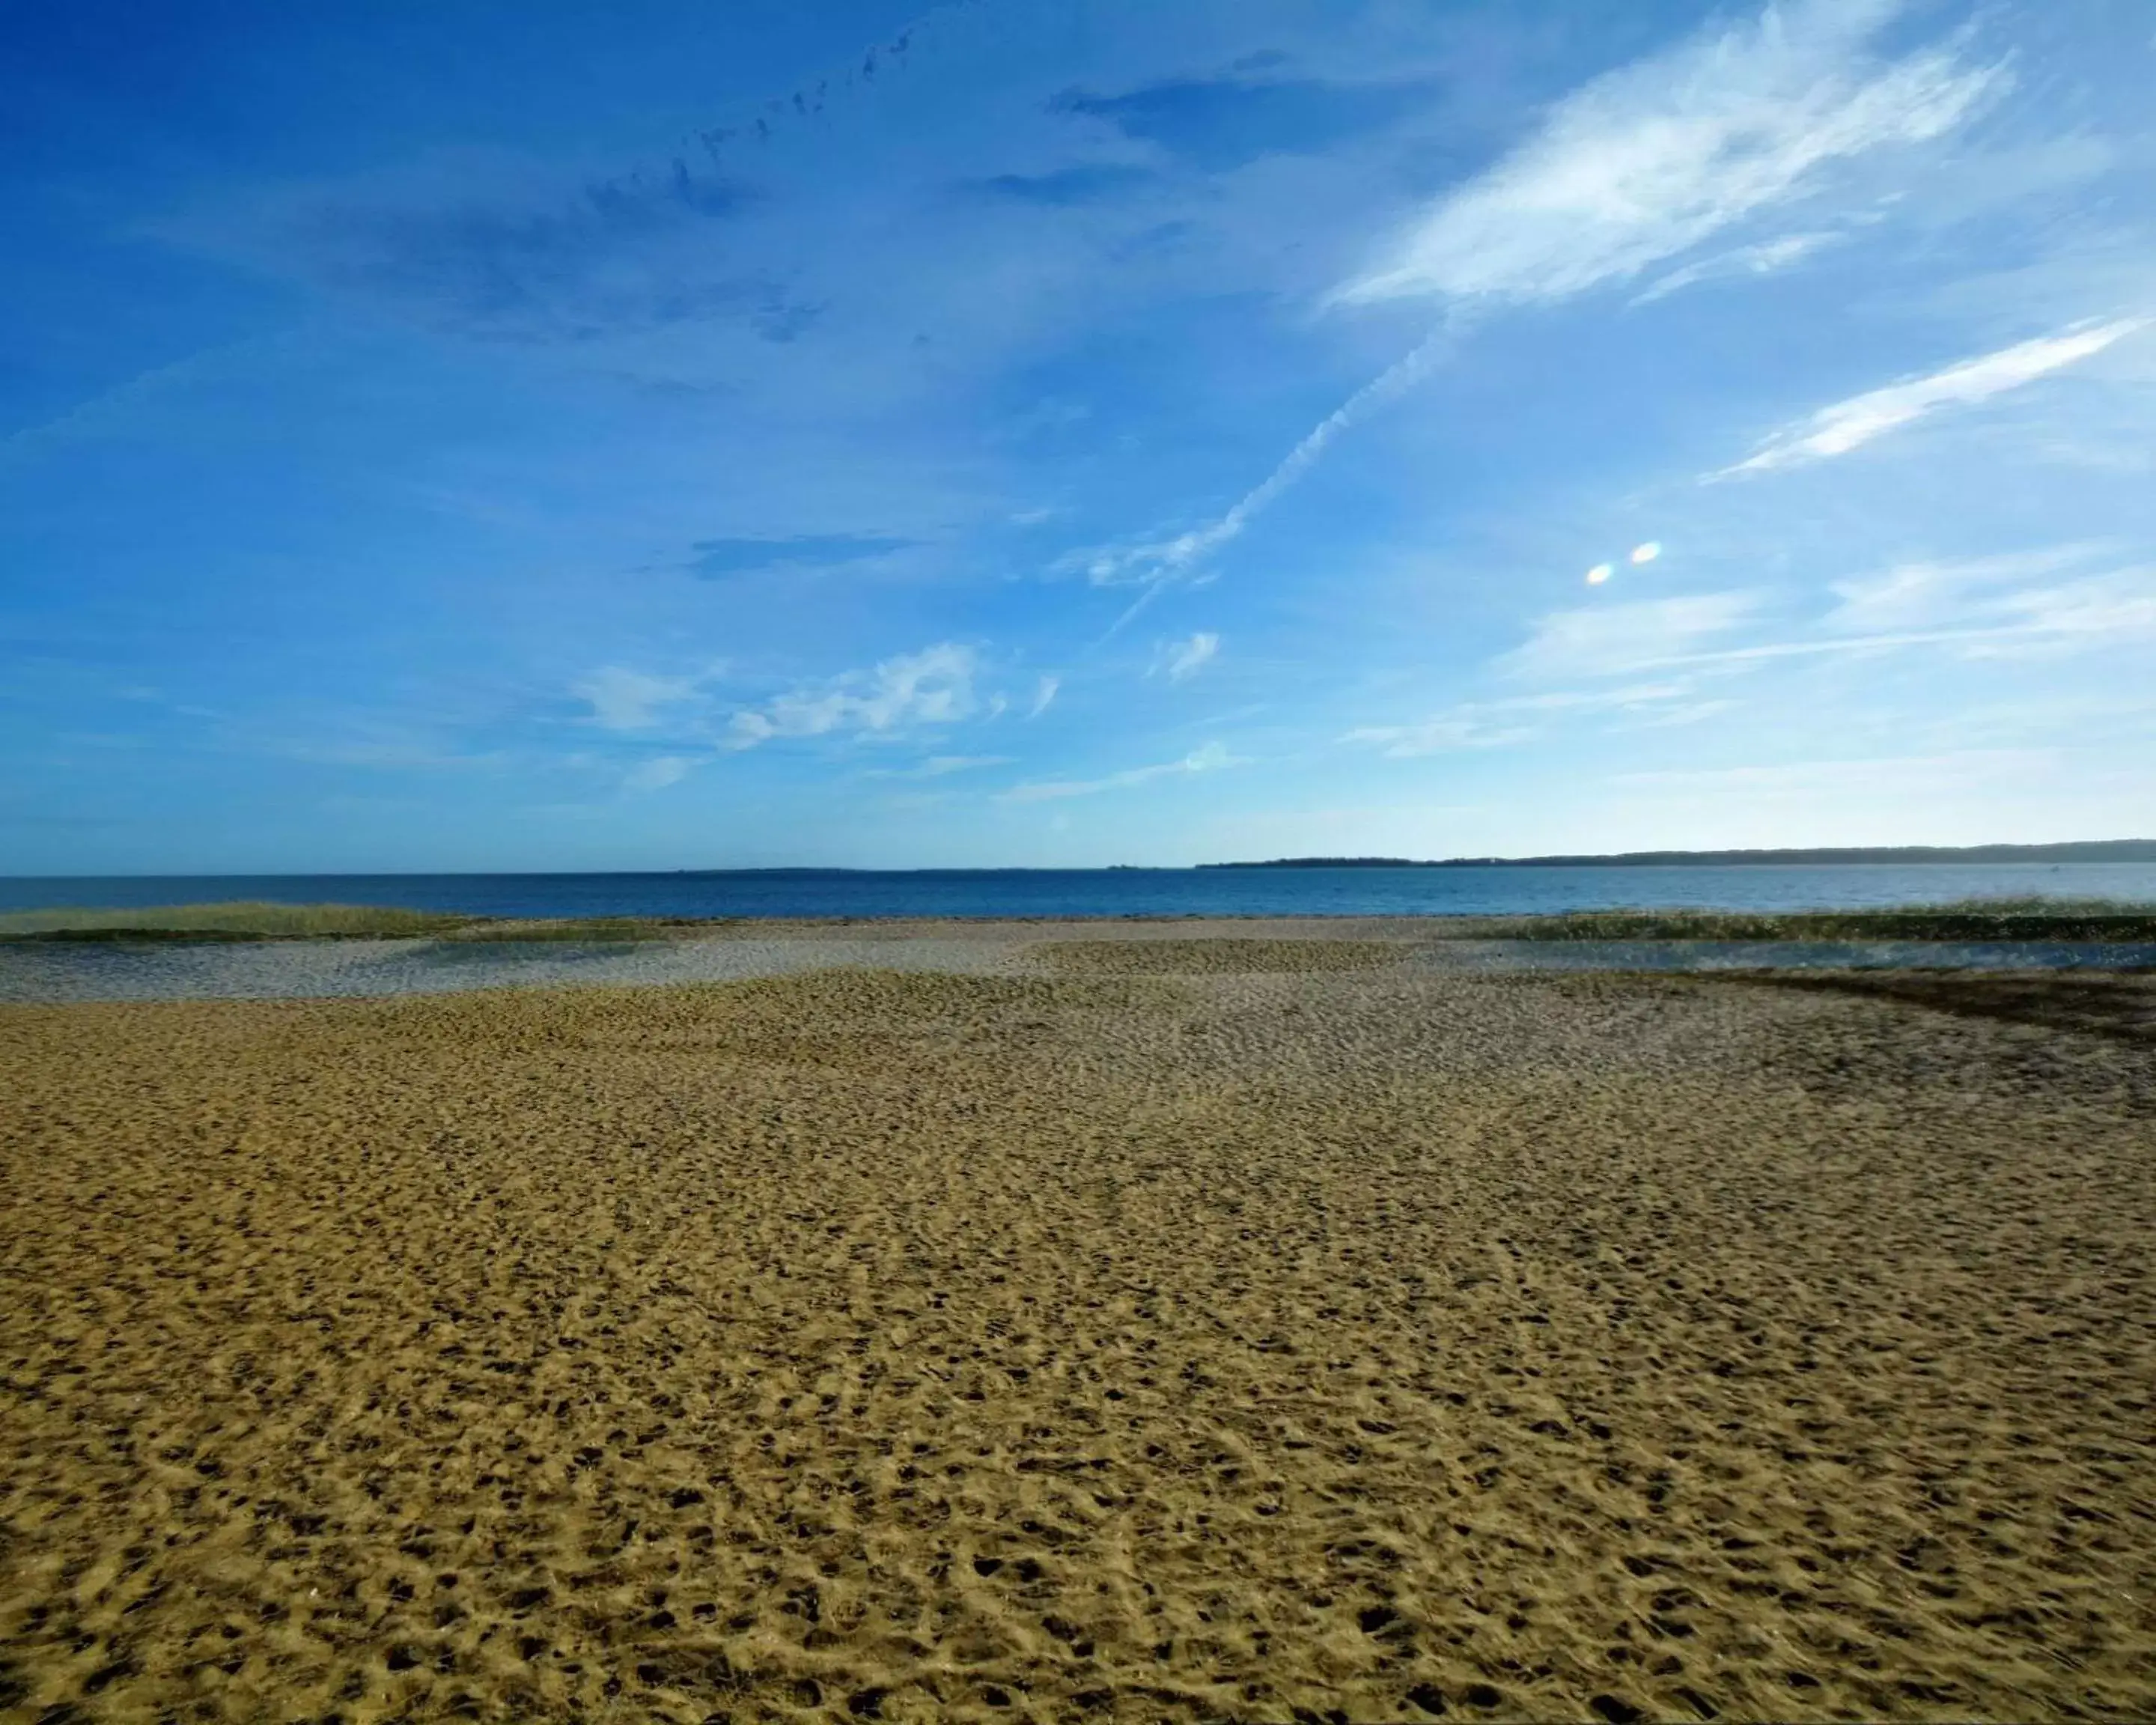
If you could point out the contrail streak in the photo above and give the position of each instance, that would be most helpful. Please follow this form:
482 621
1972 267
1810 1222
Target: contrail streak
1167 559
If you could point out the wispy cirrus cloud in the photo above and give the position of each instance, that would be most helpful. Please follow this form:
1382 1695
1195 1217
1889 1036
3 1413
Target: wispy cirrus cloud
2113 610
1927 593
1181 659
1973 768
1848 425
2044 603
1647 161
1634 170
1614 640
1044 696
1497 724
1740 262
942 766
1208 758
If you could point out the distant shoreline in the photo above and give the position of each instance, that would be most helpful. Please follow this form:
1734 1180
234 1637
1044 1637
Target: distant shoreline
2093 851
2096 850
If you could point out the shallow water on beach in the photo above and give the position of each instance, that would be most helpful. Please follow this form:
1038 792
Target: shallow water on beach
1790 955
259 970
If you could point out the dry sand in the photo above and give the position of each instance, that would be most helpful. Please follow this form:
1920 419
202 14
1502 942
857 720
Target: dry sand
1356 1344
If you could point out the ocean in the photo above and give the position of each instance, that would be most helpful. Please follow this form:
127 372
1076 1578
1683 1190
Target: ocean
1472 890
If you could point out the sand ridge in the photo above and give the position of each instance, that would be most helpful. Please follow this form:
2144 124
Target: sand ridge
1365 1344
1218 955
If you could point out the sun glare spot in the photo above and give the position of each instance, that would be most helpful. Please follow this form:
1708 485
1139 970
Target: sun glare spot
1648 552
1598 574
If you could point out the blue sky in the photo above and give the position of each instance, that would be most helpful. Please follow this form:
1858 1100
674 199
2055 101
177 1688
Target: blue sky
655 435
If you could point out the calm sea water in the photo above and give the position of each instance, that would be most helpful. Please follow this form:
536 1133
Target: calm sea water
1120 892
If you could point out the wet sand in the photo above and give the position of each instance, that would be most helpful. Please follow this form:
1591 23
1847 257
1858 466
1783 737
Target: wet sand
1142 1340
52 972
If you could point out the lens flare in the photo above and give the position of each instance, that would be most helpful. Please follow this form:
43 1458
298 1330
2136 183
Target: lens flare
1598 574
1648 552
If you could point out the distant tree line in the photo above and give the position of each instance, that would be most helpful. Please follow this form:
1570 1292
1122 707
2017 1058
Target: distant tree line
2094 851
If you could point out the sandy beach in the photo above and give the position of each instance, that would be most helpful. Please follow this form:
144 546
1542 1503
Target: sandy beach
1265 1328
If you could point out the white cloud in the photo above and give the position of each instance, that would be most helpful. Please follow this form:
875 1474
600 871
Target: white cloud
1608 640
1465 727
2096 611
2084 617
934 686
1971 767
942 766
1996 607
1208 758
1186 658
1851 425
1925 594
1493 724
1647 161
622 700
1044 697
658 772
1764 258
1669 718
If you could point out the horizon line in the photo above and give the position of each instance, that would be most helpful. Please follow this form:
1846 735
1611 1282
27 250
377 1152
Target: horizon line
1734 857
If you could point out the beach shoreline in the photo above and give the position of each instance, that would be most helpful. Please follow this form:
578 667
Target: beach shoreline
53 971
